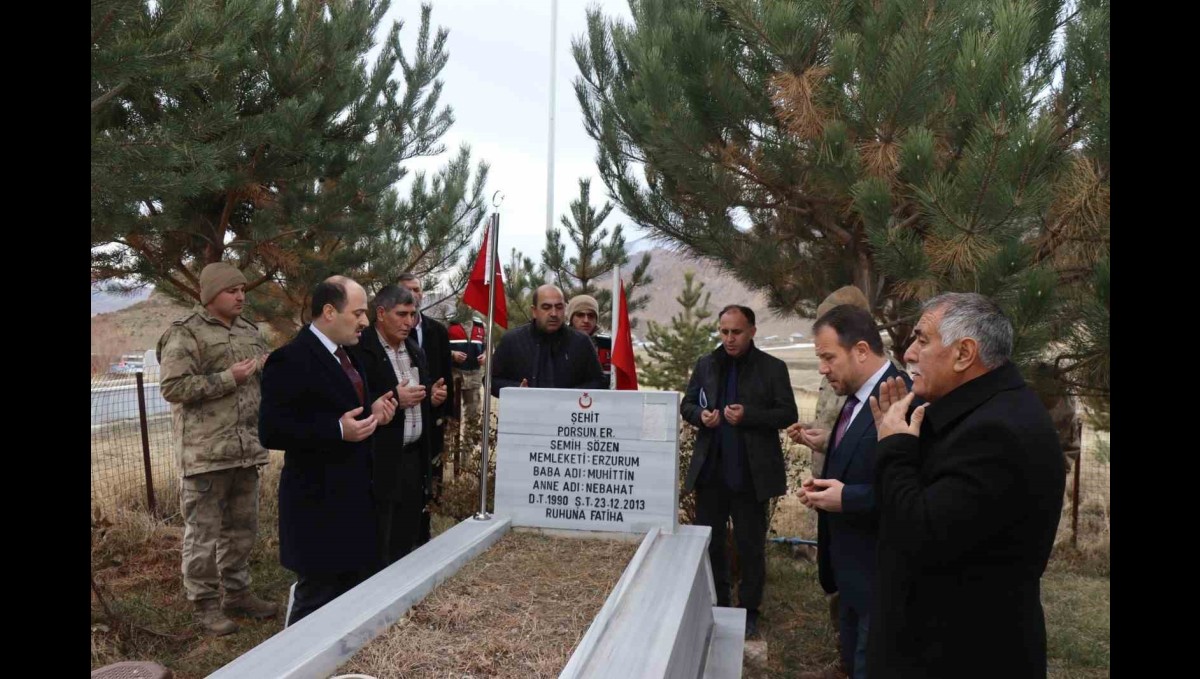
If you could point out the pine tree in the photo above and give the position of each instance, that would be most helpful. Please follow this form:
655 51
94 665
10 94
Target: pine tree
589 272
904 146
255 131
521 278
674 349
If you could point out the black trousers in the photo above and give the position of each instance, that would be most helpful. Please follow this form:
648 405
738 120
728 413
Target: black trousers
314 591
402 520
715 505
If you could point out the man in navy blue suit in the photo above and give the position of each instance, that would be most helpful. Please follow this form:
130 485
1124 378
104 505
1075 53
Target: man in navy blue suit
851 356
315 408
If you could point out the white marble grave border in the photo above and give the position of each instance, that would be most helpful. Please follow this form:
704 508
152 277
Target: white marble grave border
324 640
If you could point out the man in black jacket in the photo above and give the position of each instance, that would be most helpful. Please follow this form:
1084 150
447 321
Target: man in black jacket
401 453
546 353
739 397
433 339
969 498
316 407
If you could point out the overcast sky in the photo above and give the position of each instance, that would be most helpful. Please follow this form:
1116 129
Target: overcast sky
497 82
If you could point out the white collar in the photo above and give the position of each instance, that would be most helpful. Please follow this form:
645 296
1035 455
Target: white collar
329 344
864 392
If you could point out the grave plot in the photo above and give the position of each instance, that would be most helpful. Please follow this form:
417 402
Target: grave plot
524 593
517 610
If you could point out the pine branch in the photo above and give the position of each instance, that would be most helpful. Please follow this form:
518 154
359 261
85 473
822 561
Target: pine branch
108 17
993 158
104 98
262 279
1067 20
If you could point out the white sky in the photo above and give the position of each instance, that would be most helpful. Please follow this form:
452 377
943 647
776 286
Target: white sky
497 82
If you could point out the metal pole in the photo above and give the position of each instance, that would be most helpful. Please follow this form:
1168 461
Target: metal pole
488 278
616 315
550 148
145 442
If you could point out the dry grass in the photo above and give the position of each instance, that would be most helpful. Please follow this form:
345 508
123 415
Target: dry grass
518 610
141 612
1087 551
118 468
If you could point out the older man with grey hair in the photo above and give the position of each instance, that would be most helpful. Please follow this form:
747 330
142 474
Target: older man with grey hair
970 488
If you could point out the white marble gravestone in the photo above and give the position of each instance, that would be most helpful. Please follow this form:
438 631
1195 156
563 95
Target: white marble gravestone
588 460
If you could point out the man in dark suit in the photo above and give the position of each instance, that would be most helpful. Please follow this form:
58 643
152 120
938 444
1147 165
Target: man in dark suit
969 494
433 339
739 397
402 471
850 354
315 408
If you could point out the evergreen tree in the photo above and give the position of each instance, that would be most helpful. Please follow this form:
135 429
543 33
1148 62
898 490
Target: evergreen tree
905 146
674 349
521 278
589 272
255 131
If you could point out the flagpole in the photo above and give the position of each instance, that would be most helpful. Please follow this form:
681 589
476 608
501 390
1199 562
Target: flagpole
488 276
550 122
616 320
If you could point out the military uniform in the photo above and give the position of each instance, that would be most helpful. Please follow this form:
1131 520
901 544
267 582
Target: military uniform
468 375
216 443
603 344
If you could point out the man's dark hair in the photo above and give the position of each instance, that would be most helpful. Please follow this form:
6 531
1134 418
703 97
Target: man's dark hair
389 296
328 291
744 310
406 277
852 325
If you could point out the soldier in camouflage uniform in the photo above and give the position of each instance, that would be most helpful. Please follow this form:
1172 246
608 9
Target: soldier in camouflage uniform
210 362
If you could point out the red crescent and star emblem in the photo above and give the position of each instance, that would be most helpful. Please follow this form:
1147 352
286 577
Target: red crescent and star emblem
588 399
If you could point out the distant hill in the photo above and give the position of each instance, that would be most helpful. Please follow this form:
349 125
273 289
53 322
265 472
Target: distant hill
668 267
105 302
134 328
133 324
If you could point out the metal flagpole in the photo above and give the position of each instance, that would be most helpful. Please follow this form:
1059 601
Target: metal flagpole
616 315
550 123
488 280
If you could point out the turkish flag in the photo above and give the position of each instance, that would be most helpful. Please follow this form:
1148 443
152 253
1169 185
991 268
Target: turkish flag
622 350
476 294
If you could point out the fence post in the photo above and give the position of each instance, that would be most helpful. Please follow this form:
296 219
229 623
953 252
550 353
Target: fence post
141 391
1075 502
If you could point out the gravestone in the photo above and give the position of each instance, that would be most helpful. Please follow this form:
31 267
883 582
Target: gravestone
588 460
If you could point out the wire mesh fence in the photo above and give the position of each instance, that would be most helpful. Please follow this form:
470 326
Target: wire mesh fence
133 464
1088 483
